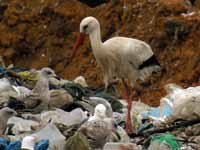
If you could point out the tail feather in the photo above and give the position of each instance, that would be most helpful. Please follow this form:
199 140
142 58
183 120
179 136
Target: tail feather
152 61
147 71
148 67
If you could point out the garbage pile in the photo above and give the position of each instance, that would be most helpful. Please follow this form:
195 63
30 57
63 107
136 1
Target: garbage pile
40 111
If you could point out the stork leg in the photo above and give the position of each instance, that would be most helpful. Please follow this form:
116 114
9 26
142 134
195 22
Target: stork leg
129 127
111 88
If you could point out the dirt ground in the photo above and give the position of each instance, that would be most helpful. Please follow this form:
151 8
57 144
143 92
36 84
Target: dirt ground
42 33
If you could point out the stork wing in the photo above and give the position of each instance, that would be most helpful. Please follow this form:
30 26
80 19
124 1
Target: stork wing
138 52
133 51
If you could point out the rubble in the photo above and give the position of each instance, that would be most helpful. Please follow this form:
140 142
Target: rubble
78 117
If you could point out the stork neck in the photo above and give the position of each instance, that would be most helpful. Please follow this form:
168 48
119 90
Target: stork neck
95 39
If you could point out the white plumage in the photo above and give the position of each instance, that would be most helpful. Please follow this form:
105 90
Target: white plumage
119 56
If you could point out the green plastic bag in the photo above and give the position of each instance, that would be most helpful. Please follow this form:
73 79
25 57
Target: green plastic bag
167 139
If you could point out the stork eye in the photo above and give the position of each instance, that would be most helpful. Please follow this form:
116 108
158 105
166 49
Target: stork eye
48 72
85 27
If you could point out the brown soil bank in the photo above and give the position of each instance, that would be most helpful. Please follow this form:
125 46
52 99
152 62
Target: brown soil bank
42 32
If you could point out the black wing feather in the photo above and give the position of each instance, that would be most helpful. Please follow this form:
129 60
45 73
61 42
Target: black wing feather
149 62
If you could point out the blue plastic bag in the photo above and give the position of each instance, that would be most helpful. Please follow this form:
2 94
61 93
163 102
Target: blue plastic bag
42 145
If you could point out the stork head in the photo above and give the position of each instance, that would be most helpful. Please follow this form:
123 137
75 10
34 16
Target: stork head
87 26
48 73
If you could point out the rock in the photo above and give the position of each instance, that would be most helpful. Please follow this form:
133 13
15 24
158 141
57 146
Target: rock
77 142
120 146
60 98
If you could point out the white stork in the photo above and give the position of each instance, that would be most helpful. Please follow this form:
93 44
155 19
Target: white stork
121 57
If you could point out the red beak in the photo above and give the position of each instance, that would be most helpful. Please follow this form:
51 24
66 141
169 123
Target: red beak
79 42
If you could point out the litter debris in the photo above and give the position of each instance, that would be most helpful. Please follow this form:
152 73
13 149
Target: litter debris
28 143
120 146
51 133
22 125
184 102
42 145
7 145
163 142
81 80
75 116
159 113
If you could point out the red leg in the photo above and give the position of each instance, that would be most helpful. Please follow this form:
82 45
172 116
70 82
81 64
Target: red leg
129 127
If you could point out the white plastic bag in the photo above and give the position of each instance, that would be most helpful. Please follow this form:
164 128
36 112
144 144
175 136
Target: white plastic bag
76 116
22 125
50 132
